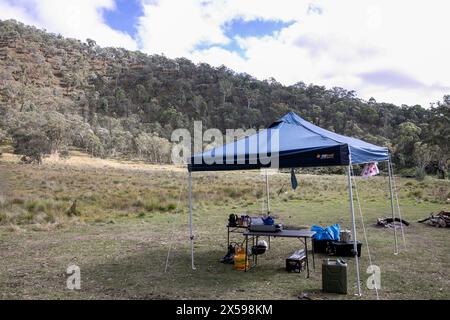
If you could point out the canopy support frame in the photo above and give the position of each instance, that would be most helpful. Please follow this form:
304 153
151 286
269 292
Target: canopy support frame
352 213
267 192
191 234
392 206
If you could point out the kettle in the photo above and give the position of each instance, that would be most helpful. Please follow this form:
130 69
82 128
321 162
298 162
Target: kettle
232 220
268 220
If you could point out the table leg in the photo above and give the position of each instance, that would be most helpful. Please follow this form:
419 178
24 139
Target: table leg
246 253
256 256
306 253
314 262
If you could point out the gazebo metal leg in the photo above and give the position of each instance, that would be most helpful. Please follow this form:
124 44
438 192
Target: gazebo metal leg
352 211
392 207
191 236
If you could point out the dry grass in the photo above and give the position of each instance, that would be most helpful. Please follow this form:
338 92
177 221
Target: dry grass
128 219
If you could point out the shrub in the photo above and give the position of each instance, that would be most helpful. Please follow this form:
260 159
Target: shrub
417 193
420 174
2 217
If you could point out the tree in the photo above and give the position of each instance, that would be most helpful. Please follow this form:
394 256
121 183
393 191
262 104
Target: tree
408 135
2 136
36 135
439 134
423 154
226 87
442 157
152 148
33 144
91 43
56 129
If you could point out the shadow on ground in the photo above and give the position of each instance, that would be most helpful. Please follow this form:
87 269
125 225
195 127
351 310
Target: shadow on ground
142 276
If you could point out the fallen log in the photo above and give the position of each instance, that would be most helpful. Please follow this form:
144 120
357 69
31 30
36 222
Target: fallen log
390 223
440 219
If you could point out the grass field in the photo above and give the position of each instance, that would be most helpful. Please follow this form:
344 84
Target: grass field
131 213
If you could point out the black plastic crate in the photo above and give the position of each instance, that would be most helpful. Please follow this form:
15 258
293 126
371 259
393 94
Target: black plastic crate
322 246
345 249
296 262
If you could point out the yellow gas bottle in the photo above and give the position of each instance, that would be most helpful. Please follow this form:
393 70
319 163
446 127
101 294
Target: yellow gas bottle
240 261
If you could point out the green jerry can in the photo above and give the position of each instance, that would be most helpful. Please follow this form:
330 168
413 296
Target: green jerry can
334 276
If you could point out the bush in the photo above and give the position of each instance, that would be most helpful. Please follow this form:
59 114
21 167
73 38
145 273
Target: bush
64 153
36 135
32 144
2 138
420 174
152 148
417 194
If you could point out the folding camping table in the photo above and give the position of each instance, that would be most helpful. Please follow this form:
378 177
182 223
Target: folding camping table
236 229
302 235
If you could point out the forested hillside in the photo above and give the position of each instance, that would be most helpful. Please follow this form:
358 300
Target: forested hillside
57 92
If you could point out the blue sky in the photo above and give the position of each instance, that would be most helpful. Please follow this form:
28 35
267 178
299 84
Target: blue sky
125 16
241 28
377 48
254 28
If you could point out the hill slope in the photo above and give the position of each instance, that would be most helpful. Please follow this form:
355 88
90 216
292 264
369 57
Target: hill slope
101 99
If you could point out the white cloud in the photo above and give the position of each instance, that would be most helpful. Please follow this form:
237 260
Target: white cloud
217 56
176 27
80 19
395 51
335 44
15 11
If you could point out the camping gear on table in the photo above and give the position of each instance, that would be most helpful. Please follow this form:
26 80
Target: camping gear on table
233 220
296 262
268 221
324 236
244 221
240 259
256 220
334 276
239 221
265 228
345 235
264 225
345 249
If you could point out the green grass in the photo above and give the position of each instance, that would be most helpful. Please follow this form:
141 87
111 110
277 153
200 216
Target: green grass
129 219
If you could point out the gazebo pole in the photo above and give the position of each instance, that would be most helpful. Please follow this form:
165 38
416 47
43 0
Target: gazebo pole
191 236
267 191
392 206
352 211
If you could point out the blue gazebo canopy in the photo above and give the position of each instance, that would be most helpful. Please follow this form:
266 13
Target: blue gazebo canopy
300 144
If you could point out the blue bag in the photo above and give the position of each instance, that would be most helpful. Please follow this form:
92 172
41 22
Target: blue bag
268 220
328 233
